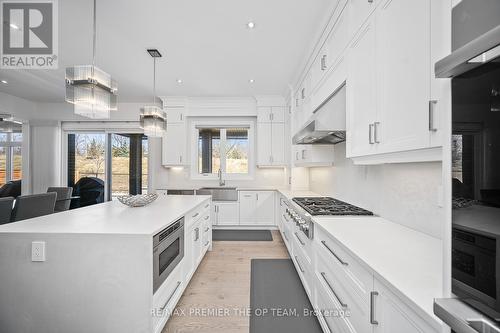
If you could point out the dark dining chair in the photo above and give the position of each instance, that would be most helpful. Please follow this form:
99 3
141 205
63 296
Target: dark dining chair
29 206
6 209
63 199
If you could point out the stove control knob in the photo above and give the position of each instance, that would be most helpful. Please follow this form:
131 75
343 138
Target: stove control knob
305 227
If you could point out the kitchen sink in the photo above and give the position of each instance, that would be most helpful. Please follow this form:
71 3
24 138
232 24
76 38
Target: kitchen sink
220 193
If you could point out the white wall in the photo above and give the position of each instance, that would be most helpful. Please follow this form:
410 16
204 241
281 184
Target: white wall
403 193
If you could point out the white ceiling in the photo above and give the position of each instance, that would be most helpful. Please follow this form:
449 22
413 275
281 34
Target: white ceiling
204 42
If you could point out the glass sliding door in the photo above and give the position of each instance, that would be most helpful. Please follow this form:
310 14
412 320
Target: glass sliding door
10 157
116 160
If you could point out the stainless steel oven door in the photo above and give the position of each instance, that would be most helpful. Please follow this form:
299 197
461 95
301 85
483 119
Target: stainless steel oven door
168 251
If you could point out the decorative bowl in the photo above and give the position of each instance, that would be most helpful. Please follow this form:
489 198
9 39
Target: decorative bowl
139 200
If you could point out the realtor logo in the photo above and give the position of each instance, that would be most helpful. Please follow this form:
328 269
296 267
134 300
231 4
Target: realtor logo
29 34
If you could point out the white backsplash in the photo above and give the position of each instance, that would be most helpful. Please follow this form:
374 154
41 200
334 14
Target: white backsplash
406 193
263 178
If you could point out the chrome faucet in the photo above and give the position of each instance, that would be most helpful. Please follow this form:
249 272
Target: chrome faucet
221 181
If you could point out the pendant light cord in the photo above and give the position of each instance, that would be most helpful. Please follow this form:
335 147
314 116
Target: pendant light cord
154 81
94 38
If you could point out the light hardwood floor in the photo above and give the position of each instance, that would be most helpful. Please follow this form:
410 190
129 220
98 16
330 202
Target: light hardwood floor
222 283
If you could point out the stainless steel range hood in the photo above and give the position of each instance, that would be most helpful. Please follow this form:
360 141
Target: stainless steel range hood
327 125
479 51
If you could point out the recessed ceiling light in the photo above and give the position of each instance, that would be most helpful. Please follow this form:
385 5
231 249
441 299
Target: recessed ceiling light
251 80
4 81
14 26
179 81
250 25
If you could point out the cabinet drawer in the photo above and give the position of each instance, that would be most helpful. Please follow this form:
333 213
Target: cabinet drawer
166 297
197 213
341 295
302 244
356 279
332 318
304 269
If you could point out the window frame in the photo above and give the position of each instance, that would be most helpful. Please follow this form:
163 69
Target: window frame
9 146
195 124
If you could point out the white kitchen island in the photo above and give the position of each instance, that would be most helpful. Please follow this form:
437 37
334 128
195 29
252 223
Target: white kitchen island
98 270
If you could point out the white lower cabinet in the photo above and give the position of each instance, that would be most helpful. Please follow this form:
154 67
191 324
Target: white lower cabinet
347 296
257 207
226 213
197 240
351 299
393 316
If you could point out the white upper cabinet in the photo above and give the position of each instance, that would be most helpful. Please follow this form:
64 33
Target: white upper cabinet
174 140
175 114
403 82
313 155
359 11
174 145
361 93
271 136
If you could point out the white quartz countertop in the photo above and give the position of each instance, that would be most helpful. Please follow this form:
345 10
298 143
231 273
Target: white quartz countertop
289 194
111 218
407 260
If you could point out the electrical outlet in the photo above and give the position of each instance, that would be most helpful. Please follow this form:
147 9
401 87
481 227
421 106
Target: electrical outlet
38 251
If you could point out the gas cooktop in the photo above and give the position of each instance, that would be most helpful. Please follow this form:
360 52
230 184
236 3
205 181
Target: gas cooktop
329 206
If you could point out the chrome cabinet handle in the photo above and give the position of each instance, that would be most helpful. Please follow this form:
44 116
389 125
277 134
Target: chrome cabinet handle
296 155
334 254
303 154
373 294
195 215
370 136
342 304
298 264
303 93
323 62
432 108
285 217
197 234
284 234
171 295
257 196
207 229
326 322
180 159
207 205
300 240
375 131
207 217
370 1
207 242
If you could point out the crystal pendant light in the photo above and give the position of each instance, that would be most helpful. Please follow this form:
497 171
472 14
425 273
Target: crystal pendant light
91 90
153 118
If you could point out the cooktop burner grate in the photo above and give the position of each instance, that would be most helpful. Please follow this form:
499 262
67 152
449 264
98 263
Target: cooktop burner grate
329 206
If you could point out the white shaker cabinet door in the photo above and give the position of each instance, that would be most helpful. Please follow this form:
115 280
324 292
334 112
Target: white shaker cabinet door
403 81
361 93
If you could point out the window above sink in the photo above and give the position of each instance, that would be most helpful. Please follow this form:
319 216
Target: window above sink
226 146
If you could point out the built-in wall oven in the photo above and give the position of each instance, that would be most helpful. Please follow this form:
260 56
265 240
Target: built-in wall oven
474 66
168 251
